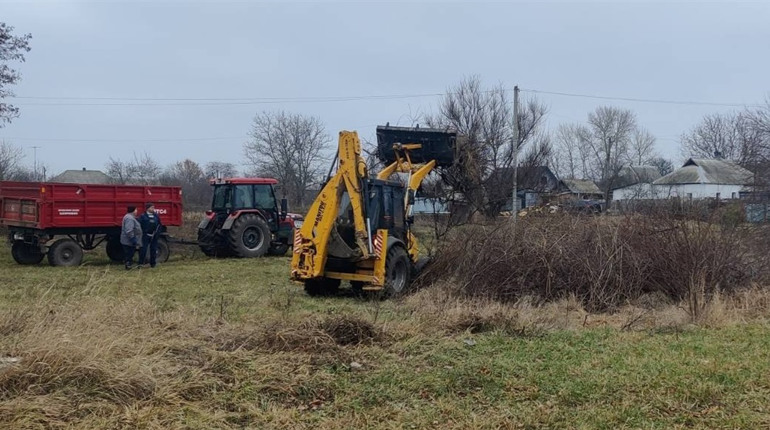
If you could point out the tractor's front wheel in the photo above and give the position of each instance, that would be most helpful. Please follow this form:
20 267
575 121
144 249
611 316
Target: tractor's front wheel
397 271
250 236
321 286
278 249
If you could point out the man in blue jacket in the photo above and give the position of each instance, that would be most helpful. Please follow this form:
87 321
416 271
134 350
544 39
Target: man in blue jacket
151 228
129 236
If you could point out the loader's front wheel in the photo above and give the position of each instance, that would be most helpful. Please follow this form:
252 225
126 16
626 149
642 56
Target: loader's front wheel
321 286
397 271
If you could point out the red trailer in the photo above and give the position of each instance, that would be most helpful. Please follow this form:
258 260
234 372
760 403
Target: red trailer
61 220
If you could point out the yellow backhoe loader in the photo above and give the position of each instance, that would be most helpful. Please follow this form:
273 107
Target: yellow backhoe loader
358 229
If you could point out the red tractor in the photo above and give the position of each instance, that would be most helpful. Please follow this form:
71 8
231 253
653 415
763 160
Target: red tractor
245 220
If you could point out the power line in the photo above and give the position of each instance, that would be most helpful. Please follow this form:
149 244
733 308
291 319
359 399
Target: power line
193 139
225 101
630 99
117 101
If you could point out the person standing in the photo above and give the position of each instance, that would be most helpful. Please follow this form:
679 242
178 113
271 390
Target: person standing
129 236
151 228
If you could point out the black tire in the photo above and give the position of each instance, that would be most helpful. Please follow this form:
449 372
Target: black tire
163 251
398 270
65 252
26 254
278 249
114 250
208 251
250 236
321 287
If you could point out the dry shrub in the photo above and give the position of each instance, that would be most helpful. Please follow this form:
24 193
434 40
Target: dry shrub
604 262
350 330
311 336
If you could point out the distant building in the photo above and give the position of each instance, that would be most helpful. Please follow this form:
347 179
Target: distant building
702 178
532 183
82 176
698 178
582 189
426 205
635 182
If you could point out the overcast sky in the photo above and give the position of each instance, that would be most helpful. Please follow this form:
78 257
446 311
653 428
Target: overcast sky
700 52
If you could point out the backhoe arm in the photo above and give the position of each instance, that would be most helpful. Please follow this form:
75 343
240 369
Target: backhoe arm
312 240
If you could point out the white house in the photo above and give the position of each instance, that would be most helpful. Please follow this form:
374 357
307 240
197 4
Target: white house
703 178
635 182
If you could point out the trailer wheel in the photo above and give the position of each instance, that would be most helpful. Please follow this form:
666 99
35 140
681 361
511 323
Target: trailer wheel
321 286
26 254
163 251
397 271
115 250
65 252
250 236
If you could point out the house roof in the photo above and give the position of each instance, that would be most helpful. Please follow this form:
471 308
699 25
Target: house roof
581 186
708 171
632 175
82 176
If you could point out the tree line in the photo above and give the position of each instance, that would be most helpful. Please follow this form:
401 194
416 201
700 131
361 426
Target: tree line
296 149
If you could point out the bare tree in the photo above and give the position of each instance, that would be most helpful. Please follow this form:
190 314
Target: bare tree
220 169
10 159
733 136
570 155
12 48
289 147
664 166
484 120
611 132
141 170
189 175
641 148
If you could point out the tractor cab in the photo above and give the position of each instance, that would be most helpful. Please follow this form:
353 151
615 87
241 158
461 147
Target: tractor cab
248 193
246 219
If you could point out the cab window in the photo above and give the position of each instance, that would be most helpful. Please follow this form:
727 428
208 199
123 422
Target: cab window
263 196
244 198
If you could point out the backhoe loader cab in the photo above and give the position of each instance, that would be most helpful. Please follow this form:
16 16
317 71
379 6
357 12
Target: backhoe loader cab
359 227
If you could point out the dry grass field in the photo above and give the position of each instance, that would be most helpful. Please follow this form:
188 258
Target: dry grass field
228 344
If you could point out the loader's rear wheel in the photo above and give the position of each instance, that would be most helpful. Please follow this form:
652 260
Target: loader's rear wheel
397 271
24 253
250 236
65 252
321 286
114 250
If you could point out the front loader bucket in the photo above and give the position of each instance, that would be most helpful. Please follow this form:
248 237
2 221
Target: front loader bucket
436 144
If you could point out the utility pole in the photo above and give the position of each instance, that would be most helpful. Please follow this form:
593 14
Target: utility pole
34 168
515 201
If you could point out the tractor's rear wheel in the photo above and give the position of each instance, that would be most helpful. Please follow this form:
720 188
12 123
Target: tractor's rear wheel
250 236
65 252
114 250
397 271
321 286
24 253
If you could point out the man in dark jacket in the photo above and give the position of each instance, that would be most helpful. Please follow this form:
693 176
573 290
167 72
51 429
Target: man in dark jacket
129 236
151 226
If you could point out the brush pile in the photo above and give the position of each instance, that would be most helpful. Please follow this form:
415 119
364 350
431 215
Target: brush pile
606 262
